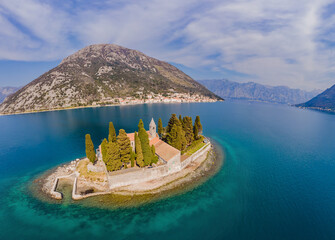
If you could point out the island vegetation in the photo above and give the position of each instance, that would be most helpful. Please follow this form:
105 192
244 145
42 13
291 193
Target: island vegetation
117 153
137 162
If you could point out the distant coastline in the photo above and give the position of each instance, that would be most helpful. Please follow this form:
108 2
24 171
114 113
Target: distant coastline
317 109
98 106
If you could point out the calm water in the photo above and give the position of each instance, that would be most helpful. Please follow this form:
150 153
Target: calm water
277 181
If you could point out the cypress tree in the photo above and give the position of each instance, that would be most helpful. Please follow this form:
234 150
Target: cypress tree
197 122
139 153
113 160
90 151
140 124
112 133
181 139
132 158
144 138
124 145
180 118
195 132
188 129
154 156
104 149
160 127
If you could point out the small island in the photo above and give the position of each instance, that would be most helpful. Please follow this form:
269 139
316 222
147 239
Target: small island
134 163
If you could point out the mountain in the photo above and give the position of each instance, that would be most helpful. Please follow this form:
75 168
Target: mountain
6 91
254 91
323 101
103 73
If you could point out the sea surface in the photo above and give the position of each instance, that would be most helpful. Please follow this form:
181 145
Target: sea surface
277 180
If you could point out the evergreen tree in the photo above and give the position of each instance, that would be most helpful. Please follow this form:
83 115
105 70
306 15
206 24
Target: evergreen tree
180 118
112 133
104 149
139 153
90 151
154 156
173 120
195 132
140 124
188 129
113 160
181 138
124 145
172 135
132 158
144 138
160 127
176 137
197 122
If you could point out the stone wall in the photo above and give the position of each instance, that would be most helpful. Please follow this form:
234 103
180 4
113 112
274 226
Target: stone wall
174 164
137 176
128 177
197 154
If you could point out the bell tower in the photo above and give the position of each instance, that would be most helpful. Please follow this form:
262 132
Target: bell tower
152 129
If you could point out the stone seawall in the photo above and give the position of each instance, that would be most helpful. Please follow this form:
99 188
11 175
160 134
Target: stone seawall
53 192
138 176
148 174
196 155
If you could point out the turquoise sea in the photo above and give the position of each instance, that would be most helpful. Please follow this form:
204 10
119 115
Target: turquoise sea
277 180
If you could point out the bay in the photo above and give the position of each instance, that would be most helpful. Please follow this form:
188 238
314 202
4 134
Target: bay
277 180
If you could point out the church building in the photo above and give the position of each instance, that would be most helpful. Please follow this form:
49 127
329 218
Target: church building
165 152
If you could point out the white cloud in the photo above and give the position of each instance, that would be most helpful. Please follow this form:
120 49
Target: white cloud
275 42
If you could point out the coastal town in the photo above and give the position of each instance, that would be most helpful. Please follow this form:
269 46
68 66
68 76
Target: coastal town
135 162
140 98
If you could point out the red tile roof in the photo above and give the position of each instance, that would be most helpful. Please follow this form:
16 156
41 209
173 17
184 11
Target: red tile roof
164 150
132 136
154 141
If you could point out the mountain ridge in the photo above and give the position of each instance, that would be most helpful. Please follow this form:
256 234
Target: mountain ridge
323 101
104 73
258 92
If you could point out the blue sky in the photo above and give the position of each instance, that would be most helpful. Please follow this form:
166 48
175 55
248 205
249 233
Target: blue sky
274 42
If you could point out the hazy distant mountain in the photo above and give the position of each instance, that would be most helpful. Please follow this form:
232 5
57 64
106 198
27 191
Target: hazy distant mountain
323 101
6 91
99 72
258 92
